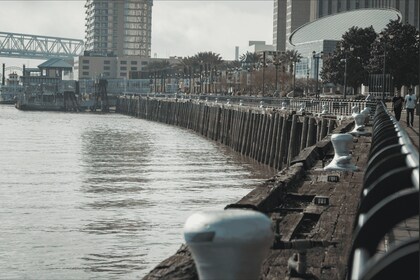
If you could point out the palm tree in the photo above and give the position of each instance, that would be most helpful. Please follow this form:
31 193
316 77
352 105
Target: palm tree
291 57
159 69
207 64
250 61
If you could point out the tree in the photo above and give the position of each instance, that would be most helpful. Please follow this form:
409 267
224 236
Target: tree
250 59
354 49
400 44
290 57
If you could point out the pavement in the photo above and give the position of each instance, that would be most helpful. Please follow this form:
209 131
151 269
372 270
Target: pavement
410 227
412 131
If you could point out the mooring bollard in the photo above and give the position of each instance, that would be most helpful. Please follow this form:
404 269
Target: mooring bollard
366 112
302 108
324 109
283 106
241 102
229 244
342 157
359 125
261 104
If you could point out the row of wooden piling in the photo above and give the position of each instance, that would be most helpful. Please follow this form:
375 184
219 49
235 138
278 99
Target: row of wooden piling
271 137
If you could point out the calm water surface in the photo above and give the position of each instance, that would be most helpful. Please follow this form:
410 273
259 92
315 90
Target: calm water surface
86 196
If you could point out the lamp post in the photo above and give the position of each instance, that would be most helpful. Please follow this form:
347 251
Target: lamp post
390 36
263 77
316 56
345 69
277 63
307 81
294 73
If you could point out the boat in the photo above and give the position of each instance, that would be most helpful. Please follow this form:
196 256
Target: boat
10 91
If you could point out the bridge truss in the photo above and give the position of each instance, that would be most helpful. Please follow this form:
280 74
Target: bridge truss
38 47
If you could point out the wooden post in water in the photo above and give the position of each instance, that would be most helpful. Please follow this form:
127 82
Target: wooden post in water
311 139
324 127
292 141
304 137
283 142
273 149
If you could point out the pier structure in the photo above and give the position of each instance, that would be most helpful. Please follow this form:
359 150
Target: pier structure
267 135
314 211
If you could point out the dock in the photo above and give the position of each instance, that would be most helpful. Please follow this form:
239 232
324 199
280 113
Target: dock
304 202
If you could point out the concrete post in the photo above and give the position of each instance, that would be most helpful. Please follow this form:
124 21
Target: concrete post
230 244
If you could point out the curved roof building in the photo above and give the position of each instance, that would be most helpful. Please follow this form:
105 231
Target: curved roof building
322 35
333 27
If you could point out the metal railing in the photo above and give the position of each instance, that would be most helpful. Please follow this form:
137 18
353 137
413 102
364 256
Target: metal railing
336 107
390 196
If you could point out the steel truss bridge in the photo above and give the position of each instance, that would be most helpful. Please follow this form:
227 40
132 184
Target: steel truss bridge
38 47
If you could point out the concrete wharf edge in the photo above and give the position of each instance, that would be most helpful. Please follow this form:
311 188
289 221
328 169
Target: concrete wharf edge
284 198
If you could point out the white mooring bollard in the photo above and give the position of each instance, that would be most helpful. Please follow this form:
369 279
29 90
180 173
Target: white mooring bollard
302 108
359 125
283 106
366 112
342 157
229 244
324 109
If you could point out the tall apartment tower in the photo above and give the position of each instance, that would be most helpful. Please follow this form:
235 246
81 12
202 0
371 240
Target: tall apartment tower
290 14
119 27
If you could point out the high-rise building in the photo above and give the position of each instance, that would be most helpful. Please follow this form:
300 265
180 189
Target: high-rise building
290 14
119 27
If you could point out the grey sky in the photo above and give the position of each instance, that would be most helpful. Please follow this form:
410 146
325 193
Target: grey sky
179 28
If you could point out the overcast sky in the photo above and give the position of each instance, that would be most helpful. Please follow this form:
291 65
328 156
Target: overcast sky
179 28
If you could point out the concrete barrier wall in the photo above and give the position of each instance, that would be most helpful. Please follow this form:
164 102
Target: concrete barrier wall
270 136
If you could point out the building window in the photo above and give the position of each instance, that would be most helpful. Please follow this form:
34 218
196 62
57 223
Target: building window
85 73
123 62
85 61
85 67
123 68
133 62
107 62
107 68
144 63
133 68
123 74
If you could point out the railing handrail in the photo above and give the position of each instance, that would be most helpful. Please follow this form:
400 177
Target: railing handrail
391 197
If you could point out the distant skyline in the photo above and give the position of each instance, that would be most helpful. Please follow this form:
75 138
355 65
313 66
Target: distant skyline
179 28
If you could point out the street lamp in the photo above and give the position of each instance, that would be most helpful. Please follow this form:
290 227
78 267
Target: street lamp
317 56
345 69
277 63
263 77
307 81
390 36
294 60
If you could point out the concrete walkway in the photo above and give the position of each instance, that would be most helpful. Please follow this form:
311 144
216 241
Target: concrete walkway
412 131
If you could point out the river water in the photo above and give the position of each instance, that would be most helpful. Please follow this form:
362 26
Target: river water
105 196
